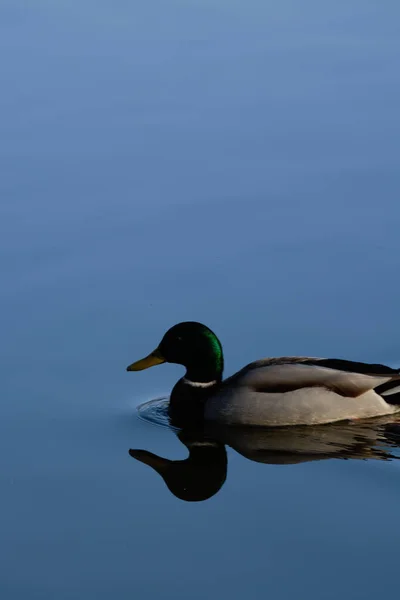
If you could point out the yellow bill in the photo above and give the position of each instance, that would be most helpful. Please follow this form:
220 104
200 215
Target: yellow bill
153 359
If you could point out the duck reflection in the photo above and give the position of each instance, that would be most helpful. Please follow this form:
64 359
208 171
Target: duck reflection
202 474
198 477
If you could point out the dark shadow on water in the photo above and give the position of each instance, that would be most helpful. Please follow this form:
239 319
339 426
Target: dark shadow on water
202 474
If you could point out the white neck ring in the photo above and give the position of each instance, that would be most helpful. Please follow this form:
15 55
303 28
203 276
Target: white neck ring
199 384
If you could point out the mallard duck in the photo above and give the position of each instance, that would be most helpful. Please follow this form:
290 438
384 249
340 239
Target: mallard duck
283 391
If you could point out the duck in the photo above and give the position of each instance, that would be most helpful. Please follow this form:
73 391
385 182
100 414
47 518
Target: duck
272 392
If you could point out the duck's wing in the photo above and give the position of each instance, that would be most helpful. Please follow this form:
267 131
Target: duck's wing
285 374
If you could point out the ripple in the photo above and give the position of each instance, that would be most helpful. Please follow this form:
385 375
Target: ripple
155 412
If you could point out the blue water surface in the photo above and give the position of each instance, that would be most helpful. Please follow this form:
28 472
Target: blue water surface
235 163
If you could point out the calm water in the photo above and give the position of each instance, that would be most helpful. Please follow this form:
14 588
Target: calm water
228 162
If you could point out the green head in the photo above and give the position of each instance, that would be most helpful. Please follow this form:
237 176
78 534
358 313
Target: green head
192 345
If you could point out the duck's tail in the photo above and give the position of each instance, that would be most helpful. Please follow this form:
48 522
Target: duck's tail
390 391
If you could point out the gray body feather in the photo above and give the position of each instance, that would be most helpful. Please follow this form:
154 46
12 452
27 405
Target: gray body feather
303 391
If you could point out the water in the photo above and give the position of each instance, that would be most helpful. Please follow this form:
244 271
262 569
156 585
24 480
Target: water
236 164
